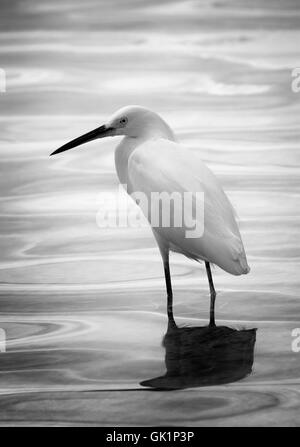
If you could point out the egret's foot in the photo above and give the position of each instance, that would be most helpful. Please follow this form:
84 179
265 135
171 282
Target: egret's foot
212 323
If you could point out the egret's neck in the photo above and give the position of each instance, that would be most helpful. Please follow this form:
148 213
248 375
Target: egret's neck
129 144
122 154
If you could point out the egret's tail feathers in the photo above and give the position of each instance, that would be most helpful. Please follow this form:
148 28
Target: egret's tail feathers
244 266
241 266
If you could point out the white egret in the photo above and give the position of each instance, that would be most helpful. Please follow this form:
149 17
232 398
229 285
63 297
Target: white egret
149 159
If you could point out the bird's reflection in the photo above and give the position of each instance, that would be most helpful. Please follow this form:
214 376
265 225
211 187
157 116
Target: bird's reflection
204 356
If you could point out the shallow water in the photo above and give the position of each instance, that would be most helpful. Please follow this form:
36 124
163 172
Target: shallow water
83 308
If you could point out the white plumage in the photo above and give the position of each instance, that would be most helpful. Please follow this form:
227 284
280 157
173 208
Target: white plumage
149 159
163 165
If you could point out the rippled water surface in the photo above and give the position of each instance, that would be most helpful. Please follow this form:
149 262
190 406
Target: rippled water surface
83 308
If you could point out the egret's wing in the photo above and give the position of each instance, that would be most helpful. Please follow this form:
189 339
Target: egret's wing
165 166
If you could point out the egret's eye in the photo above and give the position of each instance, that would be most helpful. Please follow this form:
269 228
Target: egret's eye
123 121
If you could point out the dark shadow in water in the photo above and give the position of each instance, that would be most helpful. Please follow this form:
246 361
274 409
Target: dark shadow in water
204 356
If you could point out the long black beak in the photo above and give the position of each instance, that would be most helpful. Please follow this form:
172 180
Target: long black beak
100 132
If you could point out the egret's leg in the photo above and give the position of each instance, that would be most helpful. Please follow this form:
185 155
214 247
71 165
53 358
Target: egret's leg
212 295
165 257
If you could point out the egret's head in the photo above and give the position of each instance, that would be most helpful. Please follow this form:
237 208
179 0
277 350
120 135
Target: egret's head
130 121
